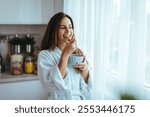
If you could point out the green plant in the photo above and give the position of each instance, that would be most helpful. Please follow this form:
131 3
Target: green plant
127 96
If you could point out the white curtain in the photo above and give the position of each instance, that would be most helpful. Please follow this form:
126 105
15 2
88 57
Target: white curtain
113 35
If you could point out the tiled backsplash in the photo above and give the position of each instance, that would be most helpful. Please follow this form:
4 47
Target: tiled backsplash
24 29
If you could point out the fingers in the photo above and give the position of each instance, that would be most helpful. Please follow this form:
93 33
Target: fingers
81 66
71 46
71 42
69 39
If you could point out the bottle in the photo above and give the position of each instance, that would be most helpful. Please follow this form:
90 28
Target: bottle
29 44
16 64
29 65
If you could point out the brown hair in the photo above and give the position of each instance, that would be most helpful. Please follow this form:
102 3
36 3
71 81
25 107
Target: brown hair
49 40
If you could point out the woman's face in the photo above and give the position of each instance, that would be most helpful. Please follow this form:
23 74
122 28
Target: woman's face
65 30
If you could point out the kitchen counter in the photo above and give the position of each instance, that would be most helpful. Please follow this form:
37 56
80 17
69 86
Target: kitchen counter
8 78
21 87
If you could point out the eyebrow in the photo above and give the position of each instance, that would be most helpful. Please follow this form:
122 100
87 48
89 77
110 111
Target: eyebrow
65 25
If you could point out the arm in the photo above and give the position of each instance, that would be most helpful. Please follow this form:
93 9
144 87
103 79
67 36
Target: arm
86 86
82 67
48 71
63 64
85 74
68 49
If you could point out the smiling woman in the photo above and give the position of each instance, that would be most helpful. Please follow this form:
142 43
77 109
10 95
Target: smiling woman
60 80
65 31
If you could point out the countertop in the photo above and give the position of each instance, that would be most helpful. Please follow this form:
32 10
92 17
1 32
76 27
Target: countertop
8 78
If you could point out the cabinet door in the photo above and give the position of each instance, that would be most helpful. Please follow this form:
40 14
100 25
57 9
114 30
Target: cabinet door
26 11
27 90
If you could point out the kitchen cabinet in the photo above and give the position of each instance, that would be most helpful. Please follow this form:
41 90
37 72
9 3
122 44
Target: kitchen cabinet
28 11
27 90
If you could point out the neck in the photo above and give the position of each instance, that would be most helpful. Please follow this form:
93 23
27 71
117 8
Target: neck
61 46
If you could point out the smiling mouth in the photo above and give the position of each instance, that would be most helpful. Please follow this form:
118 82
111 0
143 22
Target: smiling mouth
67 36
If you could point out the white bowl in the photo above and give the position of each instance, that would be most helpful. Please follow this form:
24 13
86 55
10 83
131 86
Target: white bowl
75 59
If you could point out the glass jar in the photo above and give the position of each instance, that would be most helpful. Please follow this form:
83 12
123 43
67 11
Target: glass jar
35 66
16 64
29 65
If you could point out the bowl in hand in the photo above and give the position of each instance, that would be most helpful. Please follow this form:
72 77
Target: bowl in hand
75 59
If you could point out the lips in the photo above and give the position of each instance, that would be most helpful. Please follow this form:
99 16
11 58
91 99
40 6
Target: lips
67 39
67 35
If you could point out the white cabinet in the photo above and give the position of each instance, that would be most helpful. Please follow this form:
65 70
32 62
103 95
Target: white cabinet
27 90
28 11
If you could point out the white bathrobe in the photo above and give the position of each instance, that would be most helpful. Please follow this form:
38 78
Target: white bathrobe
72 87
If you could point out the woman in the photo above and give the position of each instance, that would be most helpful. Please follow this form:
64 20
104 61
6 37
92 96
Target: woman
60 80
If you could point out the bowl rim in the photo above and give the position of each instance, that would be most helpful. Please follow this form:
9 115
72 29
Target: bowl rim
72 60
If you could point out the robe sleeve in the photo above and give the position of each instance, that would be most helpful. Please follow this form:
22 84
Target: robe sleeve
86 88
48 72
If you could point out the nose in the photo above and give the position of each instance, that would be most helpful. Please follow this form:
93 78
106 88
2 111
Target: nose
67 29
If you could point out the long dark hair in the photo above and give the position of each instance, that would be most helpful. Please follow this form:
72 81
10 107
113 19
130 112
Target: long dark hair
49 40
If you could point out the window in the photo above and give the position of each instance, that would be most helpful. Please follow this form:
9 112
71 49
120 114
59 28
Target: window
147 59
116 40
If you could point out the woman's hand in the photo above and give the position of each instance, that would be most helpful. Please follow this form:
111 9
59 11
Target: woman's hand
81 66
71 46
68 49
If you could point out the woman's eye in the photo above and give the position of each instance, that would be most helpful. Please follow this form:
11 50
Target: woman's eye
62 27
65 27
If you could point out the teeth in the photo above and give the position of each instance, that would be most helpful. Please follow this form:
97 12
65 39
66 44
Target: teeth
66 36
